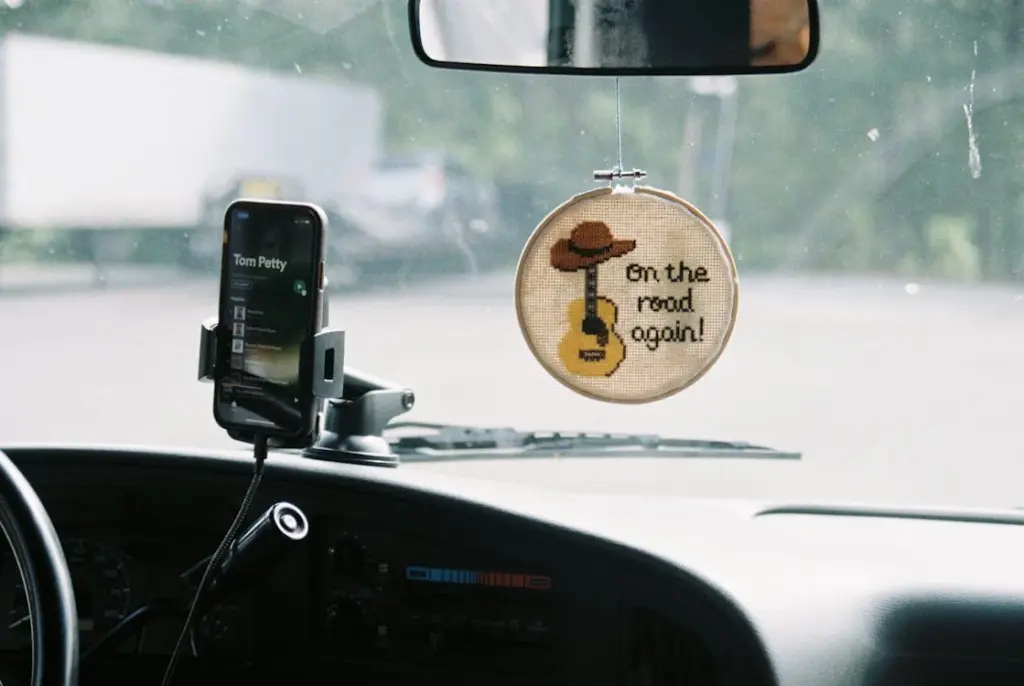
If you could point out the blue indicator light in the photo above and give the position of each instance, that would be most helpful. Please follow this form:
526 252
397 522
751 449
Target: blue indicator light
442 575
417 573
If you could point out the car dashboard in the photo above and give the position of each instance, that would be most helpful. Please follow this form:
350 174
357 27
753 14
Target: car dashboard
408 575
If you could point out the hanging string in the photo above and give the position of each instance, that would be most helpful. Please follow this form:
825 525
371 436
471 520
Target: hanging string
618 124
619 170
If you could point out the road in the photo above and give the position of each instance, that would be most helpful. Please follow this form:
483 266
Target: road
891 392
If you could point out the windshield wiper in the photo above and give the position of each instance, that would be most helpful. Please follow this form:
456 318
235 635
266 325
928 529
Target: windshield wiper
448 442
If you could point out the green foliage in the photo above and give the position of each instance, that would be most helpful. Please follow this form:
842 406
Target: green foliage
808 146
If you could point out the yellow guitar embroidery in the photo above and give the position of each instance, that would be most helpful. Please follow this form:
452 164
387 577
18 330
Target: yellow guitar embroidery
591 346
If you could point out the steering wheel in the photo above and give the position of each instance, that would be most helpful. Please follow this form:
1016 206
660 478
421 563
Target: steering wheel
47 581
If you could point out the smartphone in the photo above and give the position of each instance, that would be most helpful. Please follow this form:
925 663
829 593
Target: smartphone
271 295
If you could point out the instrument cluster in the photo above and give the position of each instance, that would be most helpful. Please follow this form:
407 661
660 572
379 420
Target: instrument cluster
112 580
382 593
108 583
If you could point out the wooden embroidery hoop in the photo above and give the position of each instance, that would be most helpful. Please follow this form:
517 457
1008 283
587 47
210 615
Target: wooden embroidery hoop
556 215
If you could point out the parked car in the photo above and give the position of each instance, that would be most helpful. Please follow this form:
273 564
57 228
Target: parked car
203 247
203 244
410 207
432 202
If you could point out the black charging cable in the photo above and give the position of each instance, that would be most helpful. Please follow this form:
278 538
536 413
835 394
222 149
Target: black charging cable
260 455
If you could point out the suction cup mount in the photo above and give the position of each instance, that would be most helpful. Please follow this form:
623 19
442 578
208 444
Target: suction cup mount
355 407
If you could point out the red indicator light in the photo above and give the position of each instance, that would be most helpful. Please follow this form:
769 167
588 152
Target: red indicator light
533 582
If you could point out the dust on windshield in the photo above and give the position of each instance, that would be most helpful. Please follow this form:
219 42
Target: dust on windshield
874 205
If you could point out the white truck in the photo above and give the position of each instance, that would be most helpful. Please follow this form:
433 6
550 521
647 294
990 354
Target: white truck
101 138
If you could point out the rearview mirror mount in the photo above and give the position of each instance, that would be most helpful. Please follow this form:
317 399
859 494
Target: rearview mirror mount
617 37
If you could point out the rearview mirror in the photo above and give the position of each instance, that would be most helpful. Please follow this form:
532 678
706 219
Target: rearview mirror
617 37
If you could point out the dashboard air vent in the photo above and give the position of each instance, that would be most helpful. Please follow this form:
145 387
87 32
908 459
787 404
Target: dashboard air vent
660 653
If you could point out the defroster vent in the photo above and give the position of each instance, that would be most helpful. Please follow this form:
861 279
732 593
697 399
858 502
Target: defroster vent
658 652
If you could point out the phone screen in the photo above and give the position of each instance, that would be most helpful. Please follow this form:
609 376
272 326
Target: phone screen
270 307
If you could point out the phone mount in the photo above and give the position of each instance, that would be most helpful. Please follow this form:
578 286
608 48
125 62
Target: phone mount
355 407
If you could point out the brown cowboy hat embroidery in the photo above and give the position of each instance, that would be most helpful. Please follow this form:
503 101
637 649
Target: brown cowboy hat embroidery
589 244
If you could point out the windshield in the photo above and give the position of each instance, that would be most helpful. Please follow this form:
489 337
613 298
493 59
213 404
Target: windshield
874 205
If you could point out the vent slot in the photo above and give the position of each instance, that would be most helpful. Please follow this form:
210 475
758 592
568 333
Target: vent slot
658 652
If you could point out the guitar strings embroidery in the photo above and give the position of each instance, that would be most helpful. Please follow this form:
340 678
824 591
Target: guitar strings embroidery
591 346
